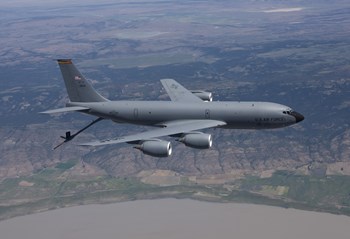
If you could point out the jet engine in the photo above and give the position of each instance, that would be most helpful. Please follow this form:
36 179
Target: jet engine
197 140
156 148
203 95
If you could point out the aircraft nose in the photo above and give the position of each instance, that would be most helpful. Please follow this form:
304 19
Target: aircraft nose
298 117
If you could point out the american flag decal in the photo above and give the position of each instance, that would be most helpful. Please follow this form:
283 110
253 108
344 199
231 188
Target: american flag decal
77 78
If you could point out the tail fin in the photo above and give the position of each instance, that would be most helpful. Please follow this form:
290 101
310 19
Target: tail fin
78 88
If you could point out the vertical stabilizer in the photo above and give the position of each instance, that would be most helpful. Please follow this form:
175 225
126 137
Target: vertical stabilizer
78 88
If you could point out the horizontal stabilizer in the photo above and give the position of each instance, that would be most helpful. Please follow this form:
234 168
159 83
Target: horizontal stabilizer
64 110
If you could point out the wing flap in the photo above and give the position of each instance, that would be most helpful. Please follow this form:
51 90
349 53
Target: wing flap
171 128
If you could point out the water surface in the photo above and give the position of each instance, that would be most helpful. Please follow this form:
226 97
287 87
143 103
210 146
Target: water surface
173 218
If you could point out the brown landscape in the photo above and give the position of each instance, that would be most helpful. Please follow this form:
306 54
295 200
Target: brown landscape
295 53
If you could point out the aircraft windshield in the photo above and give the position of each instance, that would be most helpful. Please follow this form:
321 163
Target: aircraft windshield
288 112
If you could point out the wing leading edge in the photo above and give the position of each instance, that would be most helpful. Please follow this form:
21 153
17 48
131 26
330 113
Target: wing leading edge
170 128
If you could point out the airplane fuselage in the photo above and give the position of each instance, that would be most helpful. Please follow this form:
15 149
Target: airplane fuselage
188 112
237 115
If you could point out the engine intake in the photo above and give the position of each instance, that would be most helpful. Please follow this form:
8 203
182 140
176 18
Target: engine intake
197 140
203 95
156 148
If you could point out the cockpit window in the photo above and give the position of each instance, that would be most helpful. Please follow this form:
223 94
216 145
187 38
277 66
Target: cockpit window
288 112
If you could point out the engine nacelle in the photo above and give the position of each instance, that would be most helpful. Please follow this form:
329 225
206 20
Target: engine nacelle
203 95
156 148
197 140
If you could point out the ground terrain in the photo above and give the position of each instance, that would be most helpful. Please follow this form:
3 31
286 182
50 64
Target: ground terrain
295 53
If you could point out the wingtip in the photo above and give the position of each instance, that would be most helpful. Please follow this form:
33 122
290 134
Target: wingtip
44 112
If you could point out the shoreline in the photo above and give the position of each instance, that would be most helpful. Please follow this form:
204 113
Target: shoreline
176 192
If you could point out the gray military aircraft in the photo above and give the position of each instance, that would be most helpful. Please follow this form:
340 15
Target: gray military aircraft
182 117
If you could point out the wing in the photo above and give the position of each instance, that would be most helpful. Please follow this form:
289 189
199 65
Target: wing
170 128
177 92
